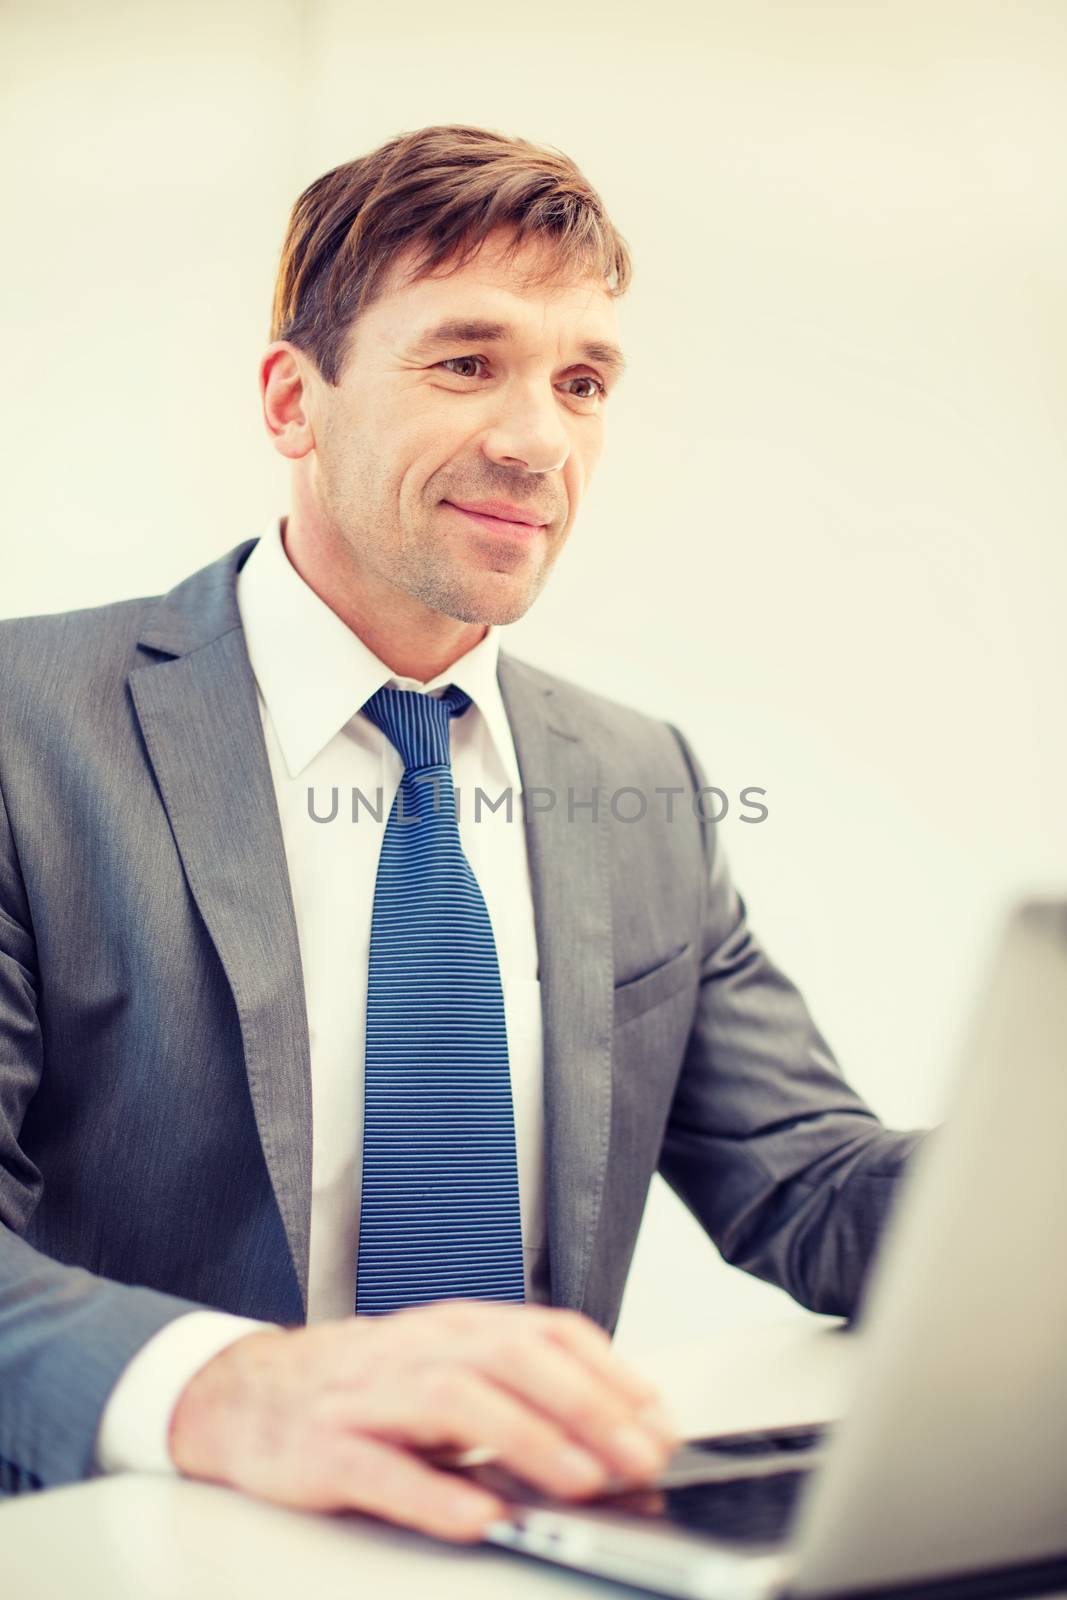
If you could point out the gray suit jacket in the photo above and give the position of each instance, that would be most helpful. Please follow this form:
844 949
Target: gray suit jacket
155 1099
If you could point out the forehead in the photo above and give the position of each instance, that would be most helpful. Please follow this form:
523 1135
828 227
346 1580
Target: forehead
527 294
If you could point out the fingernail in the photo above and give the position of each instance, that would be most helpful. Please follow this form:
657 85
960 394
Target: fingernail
656 1418
470 1510
580 1472
635 1450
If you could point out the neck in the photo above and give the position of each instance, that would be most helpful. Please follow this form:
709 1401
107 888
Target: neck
413 641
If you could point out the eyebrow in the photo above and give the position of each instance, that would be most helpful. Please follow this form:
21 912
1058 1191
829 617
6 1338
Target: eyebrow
476 330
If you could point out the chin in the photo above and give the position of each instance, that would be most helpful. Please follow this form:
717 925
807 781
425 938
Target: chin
493 616
491 607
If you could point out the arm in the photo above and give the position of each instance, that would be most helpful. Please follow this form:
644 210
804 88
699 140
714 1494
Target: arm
135 1427
784 1165
65 1335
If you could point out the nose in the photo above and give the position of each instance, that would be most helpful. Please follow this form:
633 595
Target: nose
529 430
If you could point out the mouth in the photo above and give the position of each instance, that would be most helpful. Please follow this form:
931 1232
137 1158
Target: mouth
517 526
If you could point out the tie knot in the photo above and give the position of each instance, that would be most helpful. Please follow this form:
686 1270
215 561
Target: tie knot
418 724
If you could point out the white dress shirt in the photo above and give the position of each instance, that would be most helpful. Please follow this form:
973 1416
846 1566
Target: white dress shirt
313 675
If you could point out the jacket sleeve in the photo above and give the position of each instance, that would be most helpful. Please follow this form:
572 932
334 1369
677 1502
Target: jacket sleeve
65 1334
784 1165
135 1425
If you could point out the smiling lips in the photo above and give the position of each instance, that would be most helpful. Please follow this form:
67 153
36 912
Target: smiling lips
499 516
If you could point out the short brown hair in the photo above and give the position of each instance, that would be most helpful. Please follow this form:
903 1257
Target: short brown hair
444 188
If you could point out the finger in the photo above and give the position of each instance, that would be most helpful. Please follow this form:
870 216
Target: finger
421 1329
460 1408
578 1333
379 1478
552 1381
624 1394
589 1342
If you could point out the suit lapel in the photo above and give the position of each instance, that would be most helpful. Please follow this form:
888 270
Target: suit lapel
199 715
572 910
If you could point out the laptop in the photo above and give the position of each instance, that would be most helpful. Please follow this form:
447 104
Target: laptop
947 1476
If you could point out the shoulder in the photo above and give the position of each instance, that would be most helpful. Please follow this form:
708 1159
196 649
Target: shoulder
62 657
611 724
92 625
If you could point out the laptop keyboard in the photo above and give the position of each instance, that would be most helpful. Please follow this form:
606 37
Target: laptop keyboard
745 1510
743 1488
767 1442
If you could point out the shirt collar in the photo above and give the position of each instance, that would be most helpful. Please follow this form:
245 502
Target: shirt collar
315 673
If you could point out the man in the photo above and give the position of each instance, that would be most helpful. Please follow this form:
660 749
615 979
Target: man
402 1071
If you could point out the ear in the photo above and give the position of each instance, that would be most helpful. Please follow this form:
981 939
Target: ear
285 379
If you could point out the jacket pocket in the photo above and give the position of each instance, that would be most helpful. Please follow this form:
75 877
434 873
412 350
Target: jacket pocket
639 994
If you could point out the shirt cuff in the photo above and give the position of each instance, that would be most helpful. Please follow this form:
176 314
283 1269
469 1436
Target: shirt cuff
135 1422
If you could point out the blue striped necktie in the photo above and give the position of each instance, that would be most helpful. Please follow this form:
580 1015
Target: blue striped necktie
439 1216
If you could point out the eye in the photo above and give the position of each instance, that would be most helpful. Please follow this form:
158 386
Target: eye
452 359
599 388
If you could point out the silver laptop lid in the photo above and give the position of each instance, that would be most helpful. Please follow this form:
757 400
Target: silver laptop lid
953 1455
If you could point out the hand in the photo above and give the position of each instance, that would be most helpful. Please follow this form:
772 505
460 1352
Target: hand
339 1416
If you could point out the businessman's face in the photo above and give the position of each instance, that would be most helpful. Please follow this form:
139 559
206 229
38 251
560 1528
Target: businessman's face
457 391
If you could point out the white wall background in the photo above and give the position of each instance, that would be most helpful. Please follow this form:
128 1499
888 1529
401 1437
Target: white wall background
827 536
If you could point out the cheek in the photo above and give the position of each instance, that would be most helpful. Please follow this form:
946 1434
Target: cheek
439 449
589 447
419 465
582 460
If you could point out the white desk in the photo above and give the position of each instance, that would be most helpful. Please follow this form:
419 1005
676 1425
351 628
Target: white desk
141 1537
